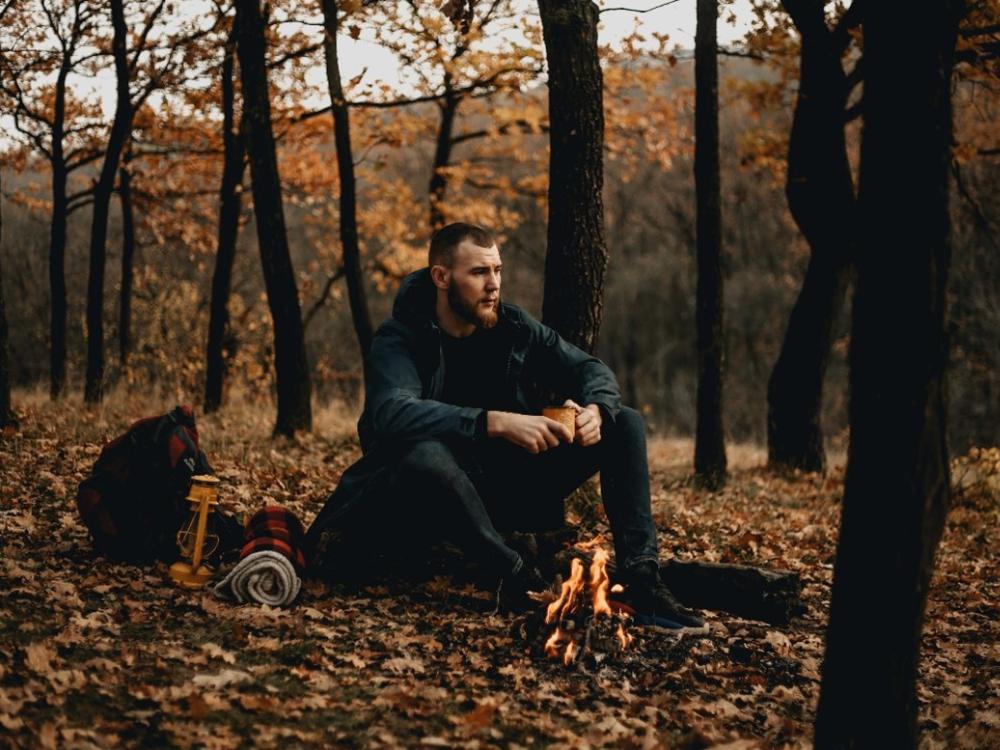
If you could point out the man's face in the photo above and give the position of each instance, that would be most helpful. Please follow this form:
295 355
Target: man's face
474 284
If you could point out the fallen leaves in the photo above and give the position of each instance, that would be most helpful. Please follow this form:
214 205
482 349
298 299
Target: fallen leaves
94 654
38 657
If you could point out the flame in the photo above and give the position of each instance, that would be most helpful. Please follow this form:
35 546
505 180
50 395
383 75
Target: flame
563 604
599 583
570 653
568 602
552 644
625 639
617 588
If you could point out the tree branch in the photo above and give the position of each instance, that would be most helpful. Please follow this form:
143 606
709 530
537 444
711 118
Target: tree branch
639 10
293 55
850 20
523 125
315 307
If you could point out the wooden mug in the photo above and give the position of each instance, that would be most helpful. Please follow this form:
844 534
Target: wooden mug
566 415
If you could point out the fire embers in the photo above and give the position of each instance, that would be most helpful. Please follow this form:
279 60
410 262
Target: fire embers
581 622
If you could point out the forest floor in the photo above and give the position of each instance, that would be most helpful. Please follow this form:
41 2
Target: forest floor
98 655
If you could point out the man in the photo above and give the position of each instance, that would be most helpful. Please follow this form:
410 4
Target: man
454 386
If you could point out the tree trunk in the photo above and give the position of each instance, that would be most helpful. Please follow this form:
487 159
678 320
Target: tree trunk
577 257
94 386
294 390
710 447
230 207
442 158
820 194
896 489
349 242
57 243
7 417
128 257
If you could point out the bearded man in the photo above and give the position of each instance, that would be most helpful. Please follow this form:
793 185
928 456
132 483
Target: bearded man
451 431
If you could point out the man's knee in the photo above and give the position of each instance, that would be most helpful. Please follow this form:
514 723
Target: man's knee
430 459
628 424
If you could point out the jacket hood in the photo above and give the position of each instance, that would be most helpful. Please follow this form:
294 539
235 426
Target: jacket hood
417 297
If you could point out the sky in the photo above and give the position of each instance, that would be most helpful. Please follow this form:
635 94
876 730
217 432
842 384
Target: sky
674 17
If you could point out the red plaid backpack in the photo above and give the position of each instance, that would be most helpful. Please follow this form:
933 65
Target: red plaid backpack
134 502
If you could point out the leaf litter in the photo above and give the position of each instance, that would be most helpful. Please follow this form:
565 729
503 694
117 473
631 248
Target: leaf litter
97 654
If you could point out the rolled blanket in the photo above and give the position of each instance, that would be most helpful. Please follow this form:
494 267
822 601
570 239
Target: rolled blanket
264 577
271 561
278 529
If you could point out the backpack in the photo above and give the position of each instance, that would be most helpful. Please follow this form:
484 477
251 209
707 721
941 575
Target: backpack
134 500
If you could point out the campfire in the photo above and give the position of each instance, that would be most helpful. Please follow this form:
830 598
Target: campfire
582 622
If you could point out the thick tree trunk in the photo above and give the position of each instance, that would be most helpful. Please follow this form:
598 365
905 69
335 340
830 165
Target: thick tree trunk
128 261
230 207
896 490
57 243
293 385
577 257
349 242
442 158
710 447
94 385
820 194
7 417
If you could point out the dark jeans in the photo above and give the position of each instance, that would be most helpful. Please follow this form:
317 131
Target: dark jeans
471 492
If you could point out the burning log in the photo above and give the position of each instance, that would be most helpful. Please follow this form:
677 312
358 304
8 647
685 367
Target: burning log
577 628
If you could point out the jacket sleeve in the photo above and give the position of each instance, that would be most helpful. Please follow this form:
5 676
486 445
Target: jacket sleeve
566 368
394 395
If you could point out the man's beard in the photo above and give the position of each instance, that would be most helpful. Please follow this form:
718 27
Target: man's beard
475 314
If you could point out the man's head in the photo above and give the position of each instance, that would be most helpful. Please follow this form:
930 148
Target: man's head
465 267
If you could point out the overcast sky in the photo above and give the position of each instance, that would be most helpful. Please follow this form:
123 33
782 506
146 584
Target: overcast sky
676 18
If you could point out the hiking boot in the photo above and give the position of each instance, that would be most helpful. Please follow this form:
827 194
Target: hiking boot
513 593
653 602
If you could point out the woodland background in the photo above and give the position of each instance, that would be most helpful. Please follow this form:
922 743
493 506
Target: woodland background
494 172
132 275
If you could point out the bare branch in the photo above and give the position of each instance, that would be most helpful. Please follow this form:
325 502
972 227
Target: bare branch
327 287
140 46
293 55
522 125
850 20
88 158
853 112
640 10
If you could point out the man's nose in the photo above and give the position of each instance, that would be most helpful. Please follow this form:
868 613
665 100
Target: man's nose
493 281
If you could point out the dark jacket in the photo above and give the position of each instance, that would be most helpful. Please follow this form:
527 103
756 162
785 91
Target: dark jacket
405 381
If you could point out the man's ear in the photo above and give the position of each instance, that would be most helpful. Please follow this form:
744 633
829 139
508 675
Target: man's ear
439 275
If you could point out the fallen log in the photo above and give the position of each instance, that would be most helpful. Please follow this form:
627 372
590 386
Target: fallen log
742 590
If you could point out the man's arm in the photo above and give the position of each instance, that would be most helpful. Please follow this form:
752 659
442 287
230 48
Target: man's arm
394 399
565 368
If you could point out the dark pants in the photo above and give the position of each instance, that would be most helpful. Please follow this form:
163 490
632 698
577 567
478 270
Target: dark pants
471 492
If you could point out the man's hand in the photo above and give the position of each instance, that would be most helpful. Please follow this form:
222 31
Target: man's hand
533 433
588 423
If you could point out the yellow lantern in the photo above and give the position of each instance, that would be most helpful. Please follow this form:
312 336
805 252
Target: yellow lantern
195 540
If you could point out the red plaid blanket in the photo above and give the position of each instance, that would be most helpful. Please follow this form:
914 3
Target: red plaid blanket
278 529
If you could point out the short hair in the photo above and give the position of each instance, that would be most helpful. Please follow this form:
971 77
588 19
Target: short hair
447 239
